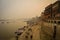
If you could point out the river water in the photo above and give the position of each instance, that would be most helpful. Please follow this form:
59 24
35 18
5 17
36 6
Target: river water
7 28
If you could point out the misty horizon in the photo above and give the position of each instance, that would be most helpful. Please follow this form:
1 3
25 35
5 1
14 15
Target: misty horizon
15 9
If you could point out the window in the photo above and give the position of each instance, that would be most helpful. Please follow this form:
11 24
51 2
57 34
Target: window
26 36
58 22
31 37
30 29
54 21
51 21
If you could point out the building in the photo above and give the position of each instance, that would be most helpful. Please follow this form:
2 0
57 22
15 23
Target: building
32 31
52 11
51 22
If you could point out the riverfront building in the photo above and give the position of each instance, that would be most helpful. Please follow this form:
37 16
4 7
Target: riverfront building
51 22
32 31
52 11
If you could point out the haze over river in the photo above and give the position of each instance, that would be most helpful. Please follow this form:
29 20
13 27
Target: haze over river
8 27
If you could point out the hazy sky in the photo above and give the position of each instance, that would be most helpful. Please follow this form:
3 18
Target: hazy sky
22 8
